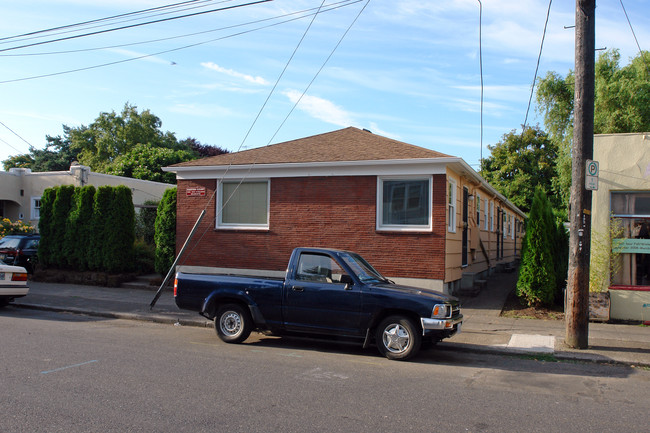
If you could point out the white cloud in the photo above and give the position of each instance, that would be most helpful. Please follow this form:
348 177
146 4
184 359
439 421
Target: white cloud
235 74
320 108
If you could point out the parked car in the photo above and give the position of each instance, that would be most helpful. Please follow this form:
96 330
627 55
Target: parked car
20 250
13 283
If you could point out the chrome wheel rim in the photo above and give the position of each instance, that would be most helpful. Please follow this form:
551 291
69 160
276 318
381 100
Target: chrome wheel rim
396 338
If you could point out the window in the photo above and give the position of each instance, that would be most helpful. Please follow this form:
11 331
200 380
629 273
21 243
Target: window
451 206
36 208
491 216
503 225
243 204
478 211
318 268
404 204
512 227
485 216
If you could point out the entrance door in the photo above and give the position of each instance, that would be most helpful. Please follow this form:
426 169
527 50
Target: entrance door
465 225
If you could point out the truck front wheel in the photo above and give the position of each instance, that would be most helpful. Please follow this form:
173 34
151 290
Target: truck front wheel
233 323
397 337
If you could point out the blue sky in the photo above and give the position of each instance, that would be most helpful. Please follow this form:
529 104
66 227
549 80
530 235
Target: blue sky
406 69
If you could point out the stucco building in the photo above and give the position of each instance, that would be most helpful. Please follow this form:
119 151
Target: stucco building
21 189
419 216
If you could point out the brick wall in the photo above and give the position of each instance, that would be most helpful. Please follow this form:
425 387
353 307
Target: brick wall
330 212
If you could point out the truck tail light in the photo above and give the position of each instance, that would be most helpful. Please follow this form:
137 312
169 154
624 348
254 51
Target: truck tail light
175 286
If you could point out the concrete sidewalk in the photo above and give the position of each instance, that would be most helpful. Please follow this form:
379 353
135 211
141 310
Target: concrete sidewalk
483 328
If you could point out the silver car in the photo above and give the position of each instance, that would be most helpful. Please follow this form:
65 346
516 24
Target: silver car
13 283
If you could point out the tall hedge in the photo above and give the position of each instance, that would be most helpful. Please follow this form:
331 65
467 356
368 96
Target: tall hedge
120 232
99 226
536 284
165 236
45 223
77 244
60 213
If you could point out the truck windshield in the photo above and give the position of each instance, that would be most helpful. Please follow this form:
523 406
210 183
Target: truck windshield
363 270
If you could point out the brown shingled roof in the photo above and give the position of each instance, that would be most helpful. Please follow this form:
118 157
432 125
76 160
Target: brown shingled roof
348 144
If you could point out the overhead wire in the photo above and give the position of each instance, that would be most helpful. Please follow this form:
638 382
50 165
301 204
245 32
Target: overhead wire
100 20
635 38
52 74
135 25
329 7
539 57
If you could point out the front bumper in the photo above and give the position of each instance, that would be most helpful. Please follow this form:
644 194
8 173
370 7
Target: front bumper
452 325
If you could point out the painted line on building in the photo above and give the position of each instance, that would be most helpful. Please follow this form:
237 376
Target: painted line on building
69 366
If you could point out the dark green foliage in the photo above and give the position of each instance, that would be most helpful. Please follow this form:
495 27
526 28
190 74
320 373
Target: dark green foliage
166 232
60 212
99 226
45 223
77 246
144 257
561 259
119 232
536 284
145 221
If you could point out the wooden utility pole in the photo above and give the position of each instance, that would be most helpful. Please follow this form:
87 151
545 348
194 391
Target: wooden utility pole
577 300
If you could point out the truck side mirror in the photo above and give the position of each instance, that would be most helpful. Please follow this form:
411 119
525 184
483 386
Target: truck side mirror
347 280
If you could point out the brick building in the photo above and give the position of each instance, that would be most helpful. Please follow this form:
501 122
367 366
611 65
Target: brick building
419 216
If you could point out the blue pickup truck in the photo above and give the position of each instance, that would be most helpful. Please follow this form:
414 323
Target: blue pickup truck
325 292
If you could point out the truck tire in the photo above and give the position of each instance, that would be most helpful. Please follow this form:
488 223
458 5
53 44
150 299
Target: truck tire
233 323
397 337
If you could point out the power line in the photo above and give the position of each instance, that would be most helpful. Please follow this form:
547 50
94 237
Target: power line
36 32
635 39
329 7
135 25
53 74
16 134
539 57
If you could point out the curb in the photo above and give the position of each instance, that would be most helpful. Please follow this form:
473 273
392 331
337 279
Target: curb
154 318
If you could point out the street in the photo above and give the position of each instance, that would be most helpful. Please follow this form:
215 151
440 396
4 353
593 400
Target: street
72 373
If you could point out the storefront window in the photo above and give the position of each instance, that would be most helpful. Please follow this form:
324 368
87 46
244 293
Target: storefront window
631 218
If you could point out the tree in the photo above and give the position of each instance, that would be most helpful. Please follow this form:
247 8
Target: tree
537 280
120 232
622 104
202 150
57 156
45 226
100 226
77 245
60 211
146 162
166 232
18 161
519 163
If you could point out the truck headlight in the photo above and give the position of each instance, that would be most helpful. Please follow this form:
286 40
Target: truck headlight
440 311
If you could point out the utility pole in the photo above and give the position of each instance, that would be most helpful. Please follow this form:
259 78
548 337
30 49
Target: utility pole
577 300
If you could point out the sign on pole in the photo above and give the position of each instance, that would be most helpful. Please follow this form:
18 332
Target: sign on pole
591 175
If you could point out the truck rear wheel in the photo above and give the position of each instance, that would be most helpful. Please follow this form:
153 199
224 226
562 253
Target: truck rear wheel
233 323
398 338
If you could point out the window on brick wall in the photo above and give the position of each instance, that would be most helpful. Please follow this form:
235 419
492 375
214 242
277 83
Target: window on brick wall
451 206
485 216
404 203
243 204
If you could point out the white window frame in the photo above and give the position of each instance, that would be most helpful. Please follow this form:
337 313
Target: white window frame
35 210
492 216
219 224
403 227
485 216
452 202
504 225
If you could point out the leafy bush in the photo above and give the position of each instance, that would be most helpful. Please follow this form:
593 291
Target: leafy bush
166 232
77 246
8 227
45 223
145 222
144 257
537 278
120 232
100 226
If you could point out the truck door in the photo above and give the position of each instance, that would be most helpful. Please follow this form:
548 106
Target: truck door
317 301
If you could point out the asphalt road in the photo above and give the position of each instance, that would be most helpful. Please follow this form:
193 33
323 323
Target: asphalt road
69 373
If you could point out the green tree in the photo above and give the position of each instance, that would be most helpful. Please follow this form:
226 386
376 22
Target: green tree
112 135
120 232
536 283
77 244
146 162
622 104
166 232
60 211
100 226
57 156
18 161
45 227
519 163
